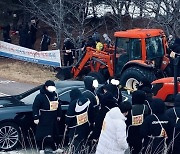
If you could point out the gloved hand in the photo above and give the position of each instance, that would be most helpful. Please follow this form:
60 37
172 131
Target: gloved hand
36 121
58 118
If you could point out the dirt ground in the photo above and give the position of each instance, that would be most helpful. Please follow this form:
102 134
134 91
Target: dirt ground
26 72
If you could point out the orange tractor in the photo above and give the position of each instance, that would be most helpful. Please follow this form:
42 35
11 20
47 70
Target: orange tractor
138 54
167 88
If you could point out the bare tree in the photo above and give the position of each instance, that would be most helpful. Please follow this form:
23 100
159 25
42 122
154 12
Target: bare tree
162 13
65 17
120 9
51 12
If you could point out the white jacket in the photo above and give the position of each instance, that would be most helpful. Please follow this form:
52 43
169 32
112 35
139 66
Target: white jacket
113 134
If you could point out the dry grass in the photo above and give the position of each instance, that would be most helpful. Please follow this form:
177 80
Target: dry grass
25 72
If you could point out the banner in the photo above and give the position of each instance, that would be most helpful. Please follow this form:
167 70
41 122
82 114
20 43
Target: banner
51 57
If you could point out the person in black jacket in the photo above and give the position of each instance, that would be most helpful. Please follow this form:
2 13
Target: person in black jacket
156 129
149 96
90 92
24 34
6 31
69 52
174 115
115 90
91 42
33 31
45 42
135 119
79 119
46 112
107 102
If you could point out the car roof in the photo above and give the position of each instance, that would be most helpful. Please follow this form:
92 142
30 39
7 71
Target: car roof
62 86
68 83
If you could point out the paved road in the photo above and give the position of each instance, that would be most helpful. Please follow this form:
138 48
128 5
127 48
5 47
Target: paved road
10 87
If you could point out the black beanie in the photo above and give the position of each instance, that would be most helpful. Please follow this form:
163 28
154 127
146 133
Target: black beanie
108 87
138 97
75 94
49 83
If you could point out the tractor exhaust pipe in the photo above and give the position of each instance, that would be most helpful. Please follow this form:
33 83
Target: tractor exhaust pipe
64 73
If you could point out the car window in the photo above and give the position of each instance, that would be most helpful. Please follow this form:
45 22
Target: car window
64 96
30 98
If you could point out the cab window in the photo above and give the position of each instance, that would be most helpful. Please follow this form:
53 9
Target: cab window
154 47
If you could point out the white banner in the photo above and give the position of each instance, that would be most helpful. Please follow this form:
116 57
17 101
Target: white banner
51 58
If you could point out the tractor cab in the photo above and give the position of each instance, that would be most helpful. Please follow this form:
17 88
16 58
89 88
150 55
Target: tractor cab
139 44
140 51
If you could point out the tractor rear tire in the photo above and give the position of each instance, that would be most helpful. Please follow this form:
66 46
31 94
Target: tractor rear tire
133 75
98 76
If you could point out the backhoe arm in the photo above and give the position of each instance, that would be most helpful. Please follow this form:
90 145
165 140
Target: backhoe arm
96 59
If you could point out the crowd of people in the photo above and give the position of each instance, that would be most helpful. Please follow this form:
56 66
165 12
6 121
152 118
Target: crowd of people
27 33
73 51
100 121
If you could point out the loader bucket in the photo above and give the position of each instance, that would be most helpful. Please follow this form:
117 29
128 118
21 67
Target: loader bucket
64 73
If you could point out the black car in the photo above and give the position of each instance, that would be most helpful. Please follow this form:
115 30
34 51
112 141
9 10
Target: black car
16 120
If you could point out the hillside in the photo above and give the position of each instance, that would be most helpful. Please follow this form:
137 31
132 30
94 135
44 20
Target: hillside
25 72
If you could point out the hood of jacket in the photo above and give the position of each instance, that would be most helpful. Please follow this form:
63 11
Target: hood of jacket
111 88
158 106
75 94
51 95
115 113
108 100
138 97
88 82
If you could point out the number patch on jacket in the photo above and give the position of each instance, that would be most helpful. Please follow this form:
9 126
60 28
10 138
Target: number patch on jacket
54 105
137 120
82 118
163 133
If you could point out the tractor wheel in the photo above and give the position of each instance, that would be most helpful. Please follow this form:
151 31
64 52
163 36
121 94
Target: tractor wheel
98 76
133 75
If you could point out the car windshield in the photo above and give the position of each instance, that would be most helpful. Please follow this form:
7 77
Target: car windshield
154 47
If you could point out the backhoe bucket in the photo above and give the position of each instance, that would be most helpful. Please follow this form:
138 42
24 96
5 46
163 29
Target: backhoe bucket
64 73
